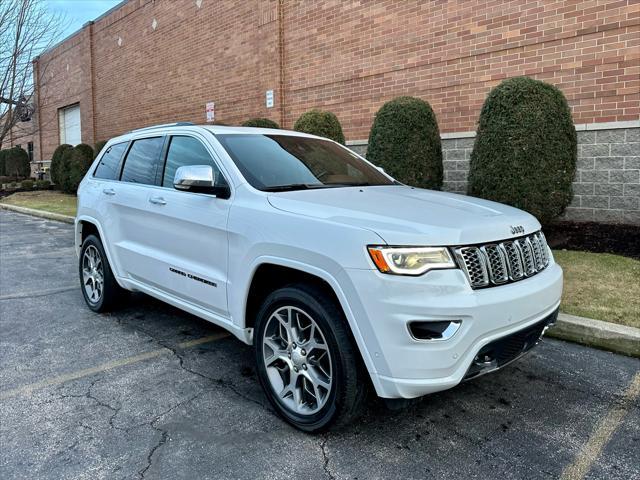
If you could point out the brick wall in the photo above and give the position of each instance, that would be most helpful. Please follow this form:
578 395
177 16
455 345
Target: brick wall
154 61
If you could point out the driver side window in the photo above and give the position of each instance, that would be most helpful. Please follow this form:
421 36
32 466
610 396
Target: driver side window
184 151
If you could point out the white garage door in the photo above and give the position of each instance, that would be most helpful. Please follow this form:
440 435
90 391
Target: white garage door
69 121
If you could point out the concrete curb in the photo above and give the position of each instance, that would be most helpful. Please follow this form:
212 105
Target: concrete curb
596 333
38 213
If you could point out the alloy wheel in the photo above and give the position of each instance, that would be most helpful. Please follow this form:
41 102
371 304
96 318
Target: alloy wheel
93 274
297 360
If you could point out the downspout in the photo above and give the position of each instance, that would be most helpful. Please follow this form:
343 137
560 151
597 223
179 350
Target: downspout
92 75
281 61
36 70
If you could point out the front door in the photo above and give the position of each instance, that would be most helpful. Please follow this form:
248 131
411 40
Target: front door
188 231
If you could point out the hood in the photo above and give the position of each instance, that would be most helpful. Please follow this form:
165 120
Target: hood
404 215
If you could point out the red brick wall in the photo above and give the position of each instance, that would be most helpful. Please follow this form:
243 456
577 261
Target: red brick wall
345 56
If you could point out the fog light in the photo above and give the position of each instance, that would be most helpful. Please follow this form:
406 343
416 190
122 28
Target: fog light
442 330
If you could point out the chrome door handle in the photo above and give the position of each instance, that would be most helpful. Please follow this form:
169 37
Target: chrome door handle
158 201
109 191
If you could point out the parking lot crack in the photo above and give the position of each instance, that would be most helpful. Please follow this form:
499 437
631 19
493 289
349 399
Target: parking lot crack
164 433
325 457
217 381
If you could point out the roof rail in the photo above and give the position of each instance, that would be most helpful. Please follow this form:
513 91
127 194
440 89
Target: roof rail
151 127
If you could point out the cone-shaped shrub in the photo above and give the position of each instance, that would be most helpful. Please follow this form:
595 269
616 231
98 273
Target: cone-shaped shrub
260 123
98 147
405 141
76 162
16 163
525 149
3 157
321 123
57 167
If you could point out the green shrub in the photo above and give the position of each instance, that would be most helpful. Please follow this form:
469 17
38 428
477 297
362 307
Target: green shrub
27 184
76 162
99 146
16 163
405 141
260 123
3 156
525 149
57 165
43 184
321 123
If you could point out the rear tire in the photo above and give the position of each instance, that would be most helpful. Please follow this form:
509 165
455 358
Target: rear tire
99 288
307 361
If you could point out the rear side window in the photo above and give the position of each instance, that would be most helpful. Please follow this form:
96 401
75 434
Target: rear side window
143 160
109 162
185 151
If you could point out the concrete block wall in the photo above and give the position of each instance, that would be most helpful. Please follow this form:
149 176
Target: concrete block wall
607 183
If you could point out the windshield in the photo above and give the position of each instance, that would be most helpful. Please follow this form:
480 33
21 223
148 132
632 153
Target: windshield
285 162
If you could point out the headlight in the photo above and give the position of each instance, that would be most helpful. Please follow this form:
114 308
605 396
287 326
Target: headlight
410 260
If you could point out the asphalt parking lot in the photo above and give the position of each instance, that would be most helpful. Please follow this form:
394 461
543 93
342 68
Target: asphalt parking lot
151 392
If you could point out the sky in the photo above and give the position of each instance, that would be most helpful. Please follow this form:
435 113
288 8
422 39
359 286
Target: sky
79 12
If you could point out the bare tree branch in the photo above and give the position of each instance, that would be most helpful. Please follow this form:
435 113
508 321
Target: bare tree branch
27 29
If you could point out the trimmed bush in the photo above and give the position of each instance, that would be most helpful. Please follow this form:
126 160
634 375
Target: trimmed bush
321 123
16 163
260 123
3 156
57 166
27 184
405 141
43 184
525 149
99 146
76 162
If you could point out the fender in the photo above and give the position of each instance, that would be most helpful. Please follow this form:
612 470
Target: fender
333 283
105 243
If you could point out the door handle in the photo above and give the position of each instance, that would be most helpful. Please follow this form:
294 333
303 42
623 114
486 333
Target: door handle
109 191
158 201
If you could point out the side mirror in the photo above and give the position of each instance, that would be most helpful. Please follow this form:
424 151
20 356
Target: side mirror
380 169
195 178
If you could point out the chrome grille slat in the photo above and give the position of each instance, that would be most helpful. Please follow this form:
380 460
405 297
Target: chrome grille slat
502 262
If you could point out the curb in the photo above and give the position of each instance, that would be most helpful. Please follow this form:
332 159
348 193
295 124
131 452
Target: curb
596 333
38 213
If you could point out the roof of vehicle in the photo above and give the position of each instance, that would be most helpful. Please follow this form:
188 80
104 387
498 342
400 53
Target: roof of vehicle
218 129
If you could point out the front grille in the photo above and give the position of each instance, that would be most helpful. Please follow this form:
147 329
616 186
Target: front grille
509 261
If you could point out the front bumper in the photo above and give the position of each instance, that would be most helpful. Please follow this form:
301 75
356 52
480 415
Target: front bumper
404 367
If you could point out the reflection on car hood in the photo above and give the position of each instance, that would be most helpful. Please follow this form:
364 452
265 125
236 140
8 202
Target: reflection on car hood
404 215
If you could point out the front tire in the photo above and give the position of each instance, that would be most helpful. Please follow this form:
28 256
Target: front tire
100 290
307 362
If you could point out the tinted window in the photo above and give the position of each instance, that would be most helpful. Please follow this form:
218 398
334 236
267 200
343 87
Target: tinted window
142 162
110 161
272 162
187 151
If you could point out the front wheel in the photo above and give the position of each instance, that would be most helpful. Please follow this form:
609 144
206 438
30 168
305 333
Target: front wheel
306 359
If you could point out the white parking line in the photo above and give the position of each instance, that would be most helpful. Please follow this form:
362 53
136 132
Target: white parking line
25 389
602 433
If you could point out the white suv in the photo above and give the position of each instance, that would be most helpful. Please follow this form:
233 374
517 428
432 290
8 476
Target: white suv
339 276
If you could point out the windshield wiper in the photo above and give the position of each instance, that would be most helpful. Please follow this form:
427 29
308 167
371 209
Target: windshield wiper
293 186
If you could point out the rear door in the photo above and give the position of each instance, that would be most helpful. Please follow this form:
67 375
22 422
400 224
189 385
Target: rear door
187 232
130 233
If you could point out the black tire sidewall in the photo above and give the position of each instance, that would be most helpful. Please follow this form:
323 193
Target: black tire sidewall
107 294
298 298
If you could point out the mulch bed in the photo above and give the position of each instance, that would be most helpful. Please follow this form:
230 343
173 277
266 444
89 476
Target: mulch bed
595 237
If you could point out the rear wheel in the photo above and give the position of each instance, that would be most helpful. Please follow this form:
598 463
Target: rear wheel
307 362
100 290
